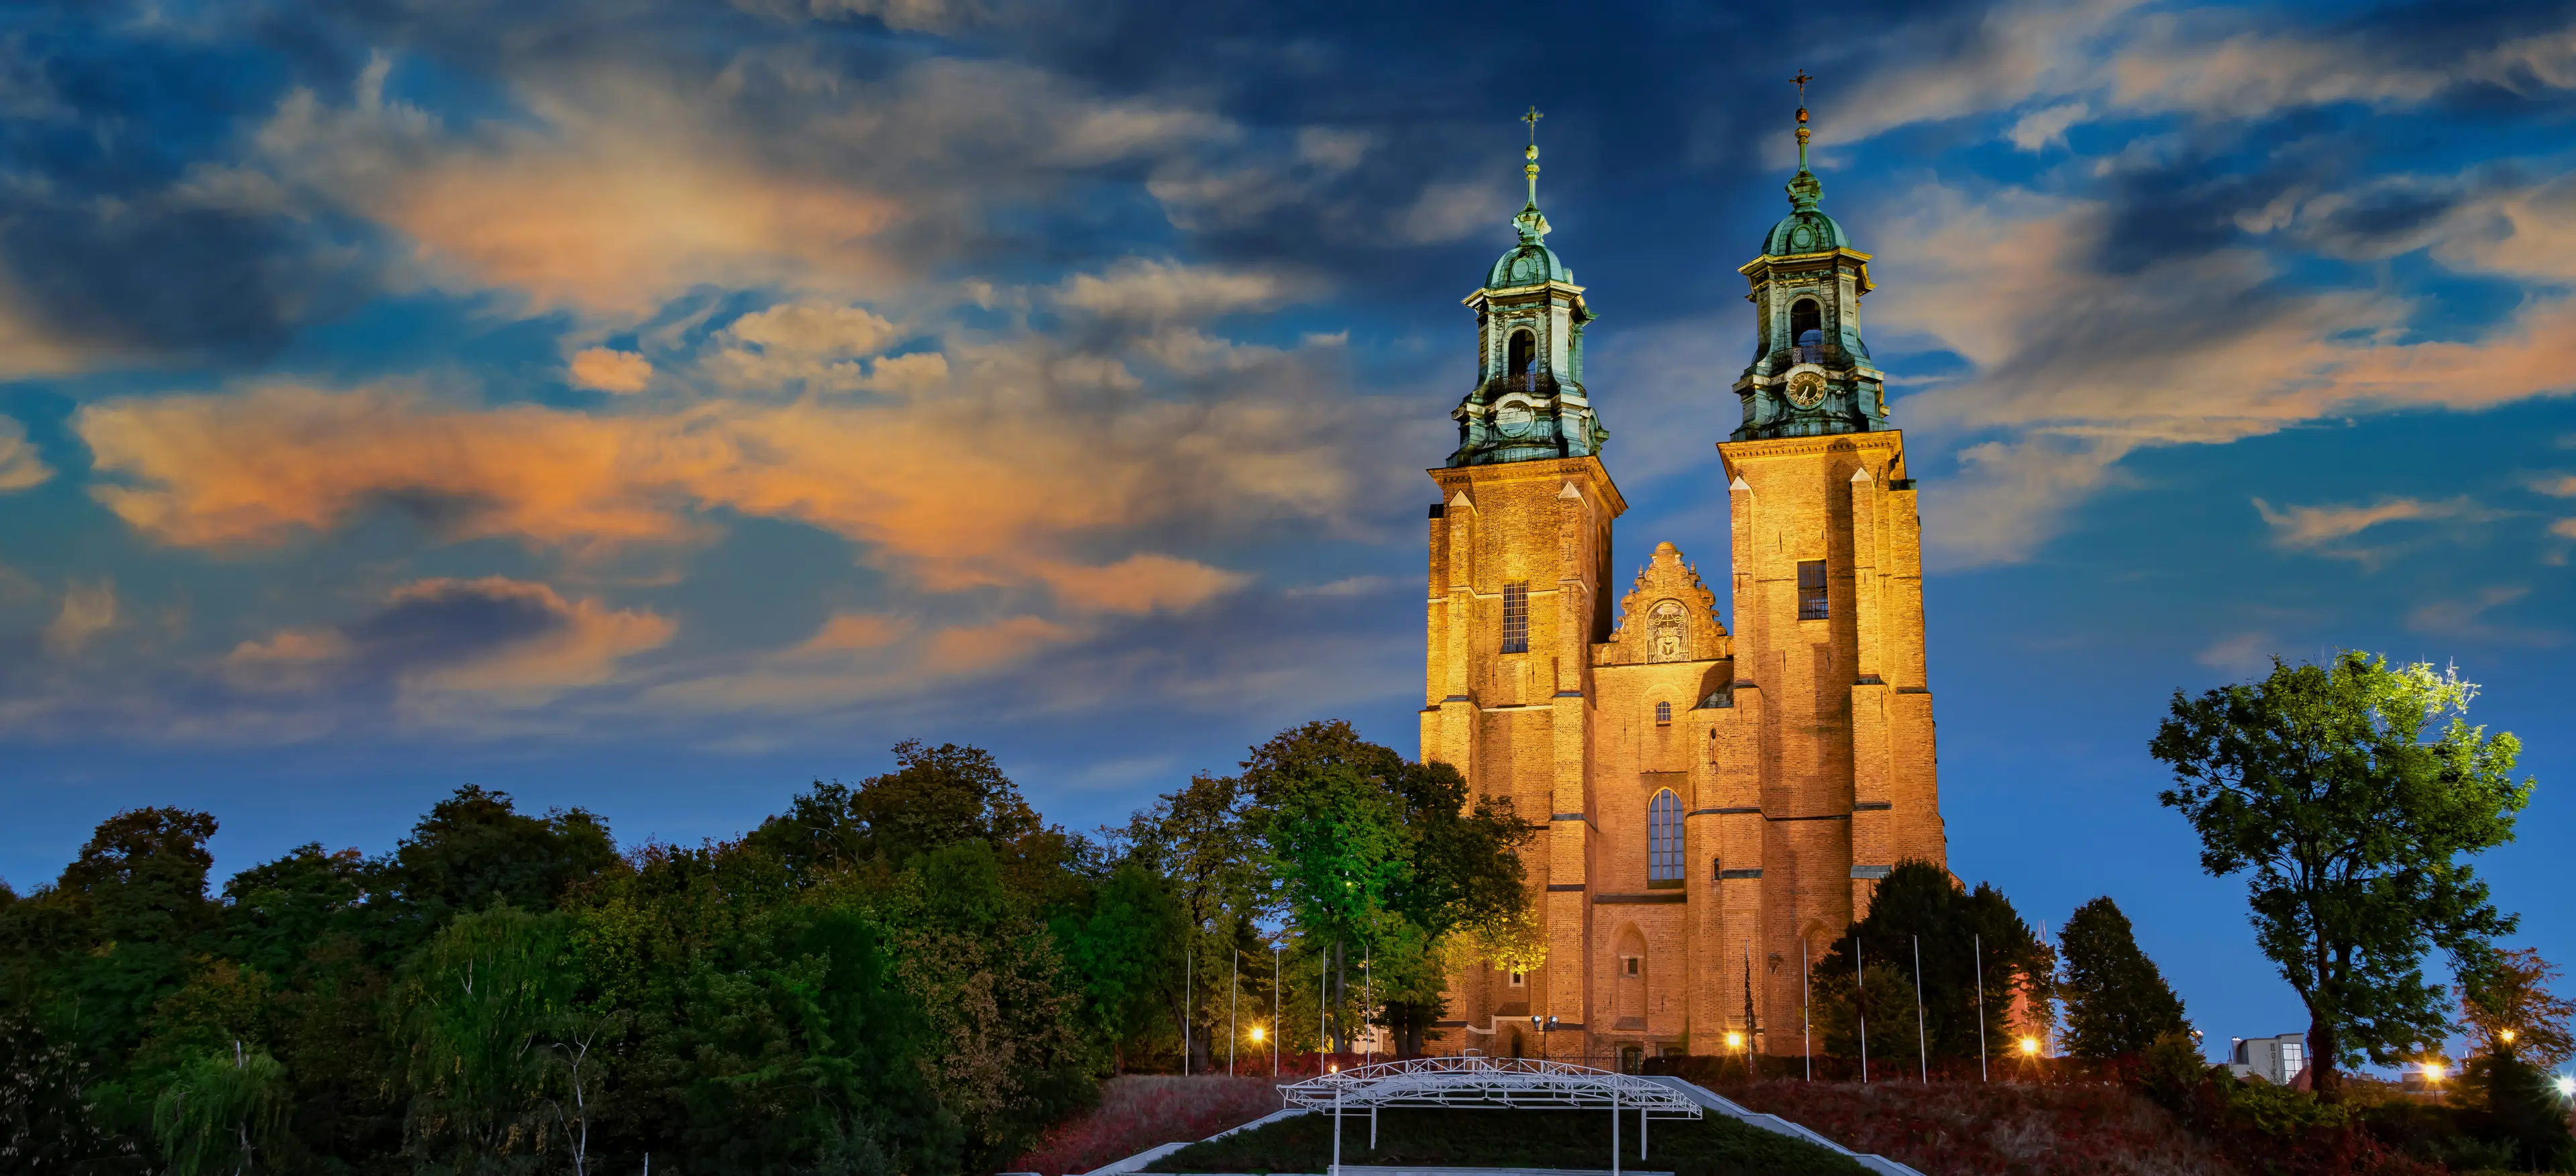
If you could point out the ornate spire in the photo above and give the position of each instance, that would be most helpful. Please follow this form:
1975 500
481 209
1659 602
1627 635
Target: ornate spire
1531 222
1804 189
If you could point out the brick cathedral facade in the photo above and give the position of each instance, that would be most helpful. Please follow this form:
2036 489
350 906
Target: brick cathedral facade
1717 803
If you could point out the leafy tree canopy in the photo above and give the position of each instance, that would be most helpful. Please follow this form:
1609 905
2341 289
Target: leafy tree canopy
2350 795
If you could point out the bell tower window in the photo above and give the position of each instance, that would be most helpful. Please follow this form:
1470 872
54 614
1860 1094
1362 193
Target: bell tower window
1811 590
1521 352
1516 617
1806 330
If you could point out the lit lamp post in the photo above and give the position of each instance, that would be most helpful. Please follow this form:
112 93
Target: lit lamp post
1735 1044
1542 1024
2030 1047
2433 1075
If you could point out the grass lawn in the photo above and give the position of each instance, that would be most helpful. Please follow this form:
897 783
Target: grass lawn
1711 1146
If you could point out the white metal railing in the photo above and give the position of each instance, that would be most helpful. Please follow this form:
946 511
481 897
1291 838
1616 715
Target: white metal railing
1475 1081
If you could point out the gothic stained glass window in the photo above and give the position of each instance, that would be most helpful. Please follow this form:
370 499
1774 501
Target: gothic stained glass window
1811 590
1664 838
1516 617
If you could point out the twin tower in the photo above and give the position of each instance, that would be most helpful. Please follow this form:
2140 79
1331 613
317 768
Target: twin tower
1719 805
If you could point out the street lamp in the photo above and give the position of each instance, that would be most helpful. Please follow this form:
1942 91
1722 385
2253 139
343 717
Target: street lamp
1542 1024
1256 1035
2030 1047
2566 1086
2505 1036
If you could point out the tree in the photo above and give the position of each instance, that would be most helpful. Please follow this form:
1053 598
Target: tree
2508 1003
474 1016
1920 903
48 1117
138 894
475 849
2117 1002
1389 857
222 1115
2351 811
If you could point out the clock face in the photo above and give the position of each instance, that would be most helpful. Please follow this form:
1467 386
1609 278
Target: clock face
1807 389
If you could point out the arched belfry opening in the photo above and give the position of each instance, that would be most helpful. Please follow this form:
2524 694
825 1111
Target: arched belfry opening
1522 351
1806 323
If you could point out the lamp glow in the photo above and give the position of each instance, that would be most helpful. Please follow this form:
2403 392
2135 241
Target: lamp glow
2505 1036
2030 1047
2566 1086
2433 1071
1256 1035
1734 1041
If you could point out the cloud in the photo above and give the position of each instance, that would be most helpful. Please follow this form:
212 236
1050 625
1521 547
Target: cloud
89 609
965 649
2046 127
2243 653
20 466
2312 527
491 640
611 371
999 481
2078 363
616 198
1142 288
2466 619
1139 584
2553 485
846 632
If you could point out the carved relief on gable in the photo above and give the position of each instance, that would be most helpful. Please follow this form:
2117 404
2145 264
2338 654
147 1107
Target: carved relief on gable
1668 616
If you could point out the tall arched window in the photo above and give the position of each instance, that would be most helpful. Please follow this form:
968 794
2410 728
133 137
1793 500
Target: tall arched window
1664 839
1523 351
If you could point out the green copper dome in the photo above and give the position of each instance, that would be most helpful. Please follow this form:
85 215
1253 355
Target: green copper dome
1806 229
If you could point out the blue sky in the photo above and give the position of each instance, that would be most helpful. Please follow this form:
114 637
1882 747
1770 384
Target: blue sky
653 407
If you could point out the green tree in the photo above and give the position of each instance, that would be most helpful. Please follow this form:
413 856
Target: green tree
475 1015
475 849
1390 858
1126 947
2117 1002
223 1115
2351 803
1920 903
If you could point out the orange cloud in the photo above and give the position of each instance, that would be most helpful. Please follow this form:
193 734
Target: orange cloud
968 648
1139 584
581 648
989 484
611 371
847 632
612 200
20 468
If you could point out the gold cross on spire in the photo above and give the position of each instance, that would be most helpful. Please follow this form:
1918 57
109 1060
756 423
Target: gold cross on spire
1802 79
1532 119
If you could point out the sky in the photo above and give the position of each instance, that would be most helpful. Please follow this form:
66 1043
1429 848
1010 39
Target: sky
655 407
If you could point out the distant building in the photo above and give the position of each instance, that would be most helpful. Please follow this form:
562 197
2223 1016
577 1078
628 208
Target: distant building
2276 1060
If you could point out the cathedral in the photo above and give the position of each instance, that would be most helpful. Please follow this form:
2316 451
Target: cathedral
1717 804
